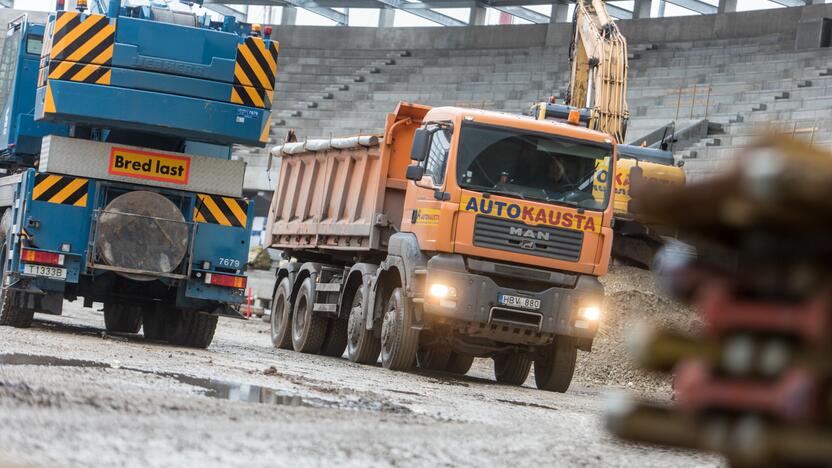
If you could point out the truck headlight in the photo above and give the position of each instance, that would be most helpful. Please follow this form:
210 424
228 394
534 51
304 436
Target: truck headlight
441 291
590 313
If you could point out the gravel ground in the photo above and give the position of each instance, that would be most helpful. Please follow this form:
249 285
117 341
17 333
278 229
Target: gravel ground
129 402
633 299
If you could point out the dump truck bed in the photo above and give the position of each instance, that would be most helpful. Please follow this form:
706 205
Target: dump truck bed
343 194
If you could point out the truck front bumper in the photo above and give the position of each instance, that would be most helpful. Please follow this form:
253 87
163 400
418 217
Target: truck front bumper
475 298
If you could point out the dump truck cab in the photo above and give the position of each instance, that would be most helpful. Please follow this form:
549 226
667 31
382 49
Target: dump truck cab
459 233
510 188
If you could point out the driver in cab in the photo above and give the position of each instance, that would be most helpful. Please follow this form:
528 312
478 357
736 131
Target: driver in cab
537 170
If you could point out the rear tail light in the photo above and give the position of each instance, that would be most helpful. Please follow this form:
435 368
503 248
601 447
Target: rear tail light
228 281
39 256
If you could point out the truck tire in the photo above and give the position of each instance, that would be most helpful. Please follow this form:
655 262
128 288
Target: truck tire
122 318
432 355
553 368
10 314
398 339
363 346
281 317
153 323
190 328
434 358
308 329
459 363
511 368
335 341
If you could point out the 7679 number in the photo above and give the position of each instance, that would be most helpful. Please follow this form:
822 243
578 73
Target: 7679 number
229 262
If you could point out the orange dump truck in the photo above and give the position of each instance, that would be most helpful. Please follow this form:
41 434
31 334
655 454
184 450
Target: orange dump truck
456 234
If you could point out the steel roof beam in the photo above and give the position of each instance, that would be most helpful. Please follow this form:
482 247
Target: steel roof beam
524 13
340 18
789 3
425 13
695 5
224 10
618 12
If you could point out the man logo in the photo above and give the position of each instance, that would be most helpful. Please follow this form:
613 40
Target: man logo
528 245
528 233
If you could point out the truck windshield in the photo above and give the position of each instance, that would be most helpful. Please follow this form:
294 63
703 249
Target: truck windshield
535 166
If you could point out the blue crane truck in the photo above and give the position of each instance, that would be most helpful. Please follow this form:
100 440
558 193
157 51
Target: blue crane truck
119 186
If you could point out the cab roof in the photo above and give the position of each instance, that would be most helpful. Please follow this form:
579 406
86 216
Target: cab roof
519 121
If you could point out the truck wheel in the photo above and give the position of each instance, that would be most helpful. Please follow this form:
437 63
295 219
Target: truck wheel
432 356
335 341
190 328
122 318
10 314
554 367
459 363
362 345
511 368
153 323
281 318
398 339
308 330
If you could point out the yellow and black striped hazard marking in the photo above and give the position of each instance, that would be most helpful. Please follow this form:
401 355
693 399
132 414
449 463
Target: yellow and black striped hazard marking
253 97
216 209
256 63
83 72
62 190
80 39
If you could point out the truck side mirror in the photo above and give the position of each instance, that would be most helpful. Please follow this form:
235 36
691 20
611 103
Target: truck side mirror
421 140
415 172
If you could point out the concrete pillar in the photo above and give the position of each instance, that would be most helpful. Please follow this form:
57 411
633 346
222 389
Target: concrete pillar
642 8
560 12
289 16
386 17
477 15
727 6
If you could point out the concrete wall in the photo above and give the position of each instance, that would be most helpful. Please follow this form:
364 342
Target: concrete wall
785 21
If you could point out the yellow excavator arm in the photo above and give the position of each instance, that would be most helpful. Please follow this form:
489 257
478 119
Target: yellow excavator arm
597 98
598 56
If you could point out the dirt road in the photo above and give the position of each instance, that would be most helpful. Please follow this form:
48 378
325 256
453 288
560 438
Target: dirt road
123 401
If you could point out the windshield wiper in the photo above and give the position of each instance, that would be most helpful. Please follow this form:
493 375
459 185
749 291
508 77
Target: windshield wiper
501 192
555 201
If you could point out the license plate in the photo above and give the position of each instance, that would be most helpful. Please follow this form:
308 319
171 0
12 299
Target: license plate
518 301
44 271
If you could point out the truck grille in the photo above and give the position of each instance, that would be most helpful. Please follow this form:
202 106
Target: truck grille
514 236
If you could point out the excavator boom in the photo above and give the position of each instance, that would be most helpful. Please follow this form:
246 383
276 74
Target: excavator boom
598 55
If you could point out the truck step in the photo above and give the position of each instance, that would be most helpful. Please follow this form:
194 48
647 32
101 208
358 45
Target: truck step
325 308
328 287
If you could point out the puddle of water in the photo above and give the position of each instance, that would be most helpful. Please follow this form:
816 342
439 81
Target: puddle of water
241 392
35 360
212 387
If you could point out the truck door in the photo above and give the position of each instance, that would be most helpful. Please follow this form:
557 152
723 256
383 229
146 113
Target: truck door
430 214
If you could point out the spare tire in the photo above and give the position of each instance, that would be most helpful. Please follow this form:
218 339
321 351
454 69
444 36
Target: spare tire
142 230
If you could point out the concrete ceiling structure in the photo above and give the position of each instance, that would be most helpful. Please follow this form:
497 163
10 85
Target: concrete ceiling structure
338 10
